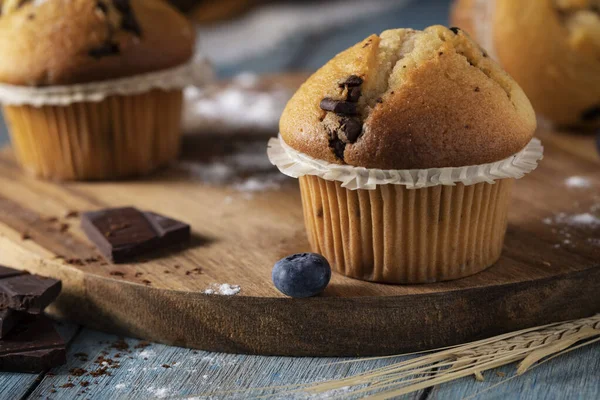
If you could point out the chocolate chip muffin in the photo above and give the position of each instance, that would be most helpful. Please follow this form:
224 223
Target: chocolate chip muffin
406 146
551 47
92 88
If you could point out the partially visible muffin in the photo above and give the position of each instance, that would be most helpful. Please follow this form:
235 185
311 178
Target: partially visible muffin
406 146
551 47
62 42
72 47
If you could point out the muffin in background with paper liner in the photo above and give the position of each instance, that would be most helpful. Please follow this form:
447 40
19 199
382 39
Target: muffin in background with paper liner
550 47
92 89
407 146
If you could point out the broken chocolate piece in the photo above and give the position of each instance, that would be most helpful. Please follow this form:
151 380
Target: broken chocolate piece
121 234
8 320
6 272
338 106
105 50
32 347
28 293
170 230
352 81
353 94
351 129
591 114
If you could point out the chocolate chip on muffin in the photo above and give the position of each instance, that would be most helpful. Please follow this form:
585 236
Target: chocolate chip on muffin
105 50
591 114
338 106
352 81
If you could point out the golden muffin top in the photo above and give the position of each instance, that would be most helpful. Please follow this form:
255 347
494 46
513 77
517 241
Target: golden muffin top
57 42
410 99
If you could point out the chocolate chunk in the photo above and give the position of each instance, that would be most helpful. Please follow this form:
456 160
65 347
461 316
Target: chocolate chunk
352 81
338 106
32 347
351 129
353 94
123 6
121 234
28 293
8 319
338 147
170 230
455 30
105 50
591 114
130 24
6 272
129 21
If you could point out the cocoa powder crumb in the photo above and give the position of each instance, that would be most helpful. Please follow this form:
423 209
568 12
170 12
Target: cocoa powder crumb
77 371
72 214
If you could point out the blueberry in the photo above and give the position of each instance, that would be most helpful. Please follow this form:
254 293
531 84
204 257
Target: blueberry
301 275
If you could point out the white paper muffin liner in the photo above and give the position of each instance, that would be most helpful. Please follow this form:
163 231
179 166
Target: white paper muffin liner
195 73
296 164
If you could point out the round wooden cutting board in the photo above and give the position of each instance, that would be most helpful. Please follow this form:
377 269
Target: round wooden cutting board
549 270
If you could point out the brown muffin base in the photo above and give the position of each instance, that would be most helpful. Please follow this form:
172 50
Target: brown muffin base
397 235
119 137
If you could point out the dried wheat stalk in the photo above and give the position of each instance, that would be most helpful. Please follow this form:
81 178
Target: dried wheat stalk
529 345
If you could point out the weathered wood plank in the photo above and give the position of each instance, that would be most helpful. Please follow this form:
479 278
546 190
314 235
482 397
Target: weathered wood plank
575 375
16 386
142 373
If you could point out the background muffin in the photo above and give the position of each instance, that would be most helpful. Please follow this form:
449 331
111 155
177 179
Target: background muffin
402 108
551 47
94 130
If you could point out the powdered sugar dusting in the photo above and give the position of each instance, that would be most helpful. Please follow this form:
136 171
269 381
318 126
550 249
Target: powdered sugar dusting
566 224
578 182
583 219
242 105
247 169
223 289
160 393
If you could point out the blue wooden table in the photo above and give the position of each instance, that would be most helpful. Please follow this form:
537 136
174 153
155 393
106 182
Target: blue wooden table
103 366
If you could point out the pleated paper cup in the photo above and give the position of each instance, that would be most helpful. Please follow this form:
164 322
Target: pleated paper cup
107 130
413 226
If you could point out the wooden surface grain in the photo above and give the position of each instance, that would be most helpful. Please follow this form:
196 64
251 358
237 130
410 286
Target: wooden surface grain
541 277
162 297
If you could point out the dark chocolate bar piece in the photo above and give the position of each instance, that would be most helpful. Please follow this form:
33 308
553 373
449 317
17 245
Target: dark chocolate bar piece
6 272
8 320
32 347
28 293
120 234
169 230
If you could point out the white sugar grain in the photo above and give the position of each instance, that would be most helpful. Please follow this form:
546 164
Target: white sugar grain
223 289
577 182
